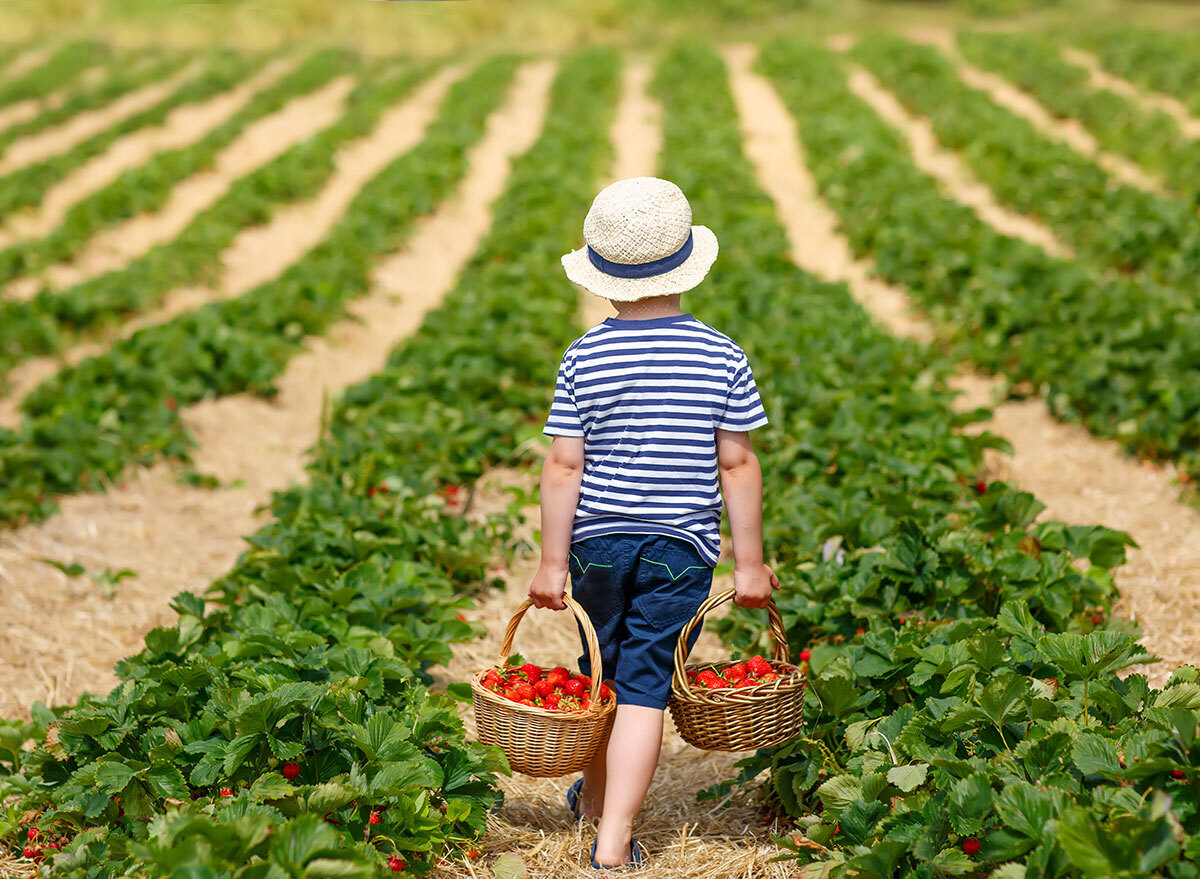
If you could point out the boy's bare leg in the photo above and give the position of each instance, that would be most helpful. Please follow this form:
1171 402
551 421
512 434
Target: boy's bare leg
632 757
594 775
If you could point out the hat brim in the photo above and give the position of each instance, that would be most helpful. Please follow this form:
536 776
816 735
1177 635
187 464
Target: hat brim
683 277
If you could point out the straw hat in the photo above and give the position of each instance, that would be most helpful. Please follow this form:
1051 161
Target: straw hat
641 242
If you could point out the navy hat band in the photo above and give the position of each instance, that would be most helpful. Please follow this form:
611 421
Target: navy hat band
642 269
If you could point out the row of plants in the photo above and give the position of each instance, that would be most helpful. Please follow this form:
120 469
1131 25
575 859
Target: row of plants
284 725
51 319
1118 225
64 65
963 715
147 188
89 422
1162 61
25 187
117 76
1116 355
1149 136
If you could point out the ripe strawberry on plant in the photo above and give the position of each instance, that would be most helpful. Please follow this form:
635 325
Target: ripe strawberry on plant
970 846
395 864
1177 773
291 770
373 818
805 655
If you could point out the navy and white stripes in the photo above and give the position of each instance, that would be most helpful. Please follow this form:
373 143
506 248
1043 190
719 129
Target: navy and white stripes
648 396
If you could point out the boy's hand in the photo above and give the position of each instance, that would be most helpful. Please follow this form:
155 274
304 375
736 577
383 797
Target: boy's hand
549 586
752 586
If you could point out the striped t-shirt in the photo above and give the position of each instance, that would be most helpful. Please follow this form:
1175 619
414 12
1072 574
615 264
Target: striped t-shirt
647 396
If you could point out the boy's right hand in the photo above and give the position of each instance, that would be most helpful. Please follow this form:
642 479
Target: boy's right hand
549 586
752 586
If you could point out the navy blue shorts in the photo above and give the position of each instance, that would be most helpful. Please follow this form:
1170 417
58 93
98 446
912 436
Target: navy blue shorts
639 590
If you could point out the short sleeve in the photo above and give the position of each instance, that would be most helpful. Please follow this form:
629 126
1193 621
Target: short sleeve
564 417
743 407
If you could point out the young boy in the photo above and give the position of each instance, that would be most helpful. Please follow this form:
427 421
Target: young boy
651 409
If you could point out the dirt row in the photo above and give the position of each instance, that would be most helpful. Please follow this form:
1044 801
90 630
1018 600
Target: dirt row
178 537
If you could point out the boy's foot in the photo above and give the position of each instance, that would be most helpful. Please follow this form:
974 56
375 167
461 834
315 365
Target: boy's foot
578 805
633 861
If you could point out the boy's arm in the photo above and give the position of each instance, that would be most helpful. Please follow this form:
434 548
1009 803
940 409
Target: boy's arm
562 473
741 485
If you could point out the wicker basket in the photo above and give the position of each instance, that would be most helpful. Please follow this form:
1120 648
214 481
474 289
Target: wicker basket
538 741
741 719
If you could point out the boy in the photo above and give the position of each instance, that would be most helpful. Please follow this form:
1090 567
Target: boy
650 410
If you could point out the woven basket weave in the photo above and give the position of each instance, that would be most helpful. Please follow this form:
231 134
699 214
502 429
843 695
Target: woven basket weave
538 741
743 718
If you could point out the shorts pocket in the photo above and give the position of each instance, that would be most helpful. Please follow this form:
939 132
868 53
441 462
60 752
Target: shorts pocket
674 584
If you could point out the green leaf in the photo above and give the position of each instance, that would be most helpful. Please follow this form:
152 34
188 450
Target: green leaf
167 781
1096 755
908 778
113 776
337 868
970 803
1186 695
329 796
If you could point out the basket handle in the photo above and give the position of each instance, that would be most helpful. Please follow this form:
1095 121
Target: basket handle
589 634
780 652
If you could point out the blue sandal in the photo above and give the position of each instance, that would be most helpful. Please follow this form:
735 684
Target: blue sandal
573 804
637 858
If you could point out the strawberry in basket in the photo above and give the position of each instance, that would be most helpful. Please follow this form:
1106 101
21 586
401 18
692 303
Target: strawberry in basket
555 689
749 673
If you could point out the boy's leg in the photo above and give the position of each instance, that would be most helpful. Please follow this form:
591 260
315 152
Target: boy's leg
633 750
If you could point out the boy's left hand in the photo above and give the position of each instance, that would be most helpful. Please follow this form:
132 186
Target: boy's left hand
549 586
753 585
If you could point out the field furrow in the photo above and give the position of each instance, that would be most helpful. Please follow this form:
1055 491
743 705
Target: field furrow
87 124
1159 61
254 447
242 344
40 71
1150 101
260 143
1116 225
1079 478
183 126
1151 138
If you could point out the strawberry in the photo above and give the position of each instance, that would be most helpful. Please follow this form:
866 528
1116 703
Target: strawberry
805 655
533 673
54 845
970 846
605 693
1177 773
374 818
492 678
771 676
171 404
461 618
585 680
395 864
552 701
291 770
543 688
1097 619
226 792
472 853
758 665
735 673
511 693
860 631
586 703
574 688
981 486
32 833
525 692
558 676
718 683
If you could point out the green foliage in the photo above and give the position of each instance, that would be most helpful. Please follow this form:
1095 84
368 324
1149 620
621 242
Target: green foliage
1150 137
60 68
1111 353
240 344
1164 61
1118 225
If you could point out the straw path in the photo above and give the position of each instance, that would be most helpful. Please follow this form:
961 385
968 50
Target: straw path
176 537
264 140
183 126
59 139
1080 478
261 253
1099 78
1068 131
684 839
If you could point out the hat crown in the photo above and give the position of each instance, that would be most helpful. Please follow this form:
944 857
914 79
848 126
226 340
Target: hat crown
638 220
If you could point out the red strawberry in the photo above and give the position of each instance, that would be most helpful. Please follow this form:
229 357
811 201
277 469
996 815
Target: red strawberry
54 845
532 672
558 676
718 684
374 818
291 770
860 631
395 864
735 673
30 853
1097 618
525 692
492 677
370 491
970 846
511 693
981 486
226 792
585 680
771 676
461 618
171 404
552 701
605 693
472 853
574 688
805 655
1177 773
758 665
543 688
32 833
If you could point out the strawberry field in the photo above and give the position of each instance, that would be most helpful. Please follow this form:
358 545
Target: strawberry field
295 551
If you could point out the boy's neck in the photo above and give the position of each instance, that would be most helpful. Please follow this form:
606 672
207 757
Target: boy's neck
649 308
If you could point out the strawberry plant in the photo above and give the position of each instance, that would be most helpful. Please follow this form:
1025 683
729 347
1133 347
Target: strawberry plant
60 68
1118 225
1158 60
1150 137
1080 337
